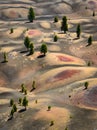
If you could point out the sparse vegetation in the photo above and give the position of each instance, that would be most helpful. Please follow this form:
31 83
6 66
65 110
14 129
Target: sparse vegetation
64 25
33 85
89 63
5 57
43 49
25 92
11 102
25 102
12 113
55 38
11 30
20 101
66 128
31 14
86 84
36 101
56 19
31 49
49 108
14 107
22 88
51 123
27 42
89 41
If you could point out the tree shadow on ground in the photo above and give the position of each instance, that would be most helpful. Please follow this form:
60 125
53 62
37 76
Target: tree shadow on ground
41 56
24 51
22 110
10 118
76 38
4 61
32 89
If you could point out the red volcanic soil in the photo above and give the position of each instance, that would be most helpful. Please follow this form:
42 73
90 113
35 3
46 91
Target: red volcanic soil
64 75
34 32
64 58
13 14
31 32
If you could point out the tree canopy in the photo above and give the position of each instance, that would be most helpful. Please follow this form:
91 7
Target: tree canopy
31 14
43 49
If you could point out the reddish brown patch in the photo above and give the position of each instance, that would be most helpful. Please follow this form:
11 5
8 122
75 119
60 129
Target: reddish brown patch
13 14
63 75
64 58
31 32
34 32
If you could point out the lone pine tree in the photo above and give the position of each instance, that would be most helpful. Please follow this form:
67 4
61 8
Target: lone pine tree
89 40
27 42
11 102
15 108
31 49
5 57
55 38
43 49
64 25
12 113
33 85
25 102
56 19
22 87
31 14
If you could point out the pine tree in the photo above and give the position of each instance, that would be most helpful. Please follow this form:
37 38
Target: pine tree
55 38
49 108
25 91
11 30
56 19
31 14
25 102
14 108
33 85
22 88
86 84
64 25
11 102
27 42
5 57
12 112
51 123
78 31
20 101
43 49
89 40
31 49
